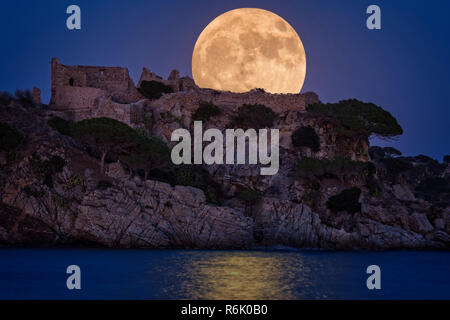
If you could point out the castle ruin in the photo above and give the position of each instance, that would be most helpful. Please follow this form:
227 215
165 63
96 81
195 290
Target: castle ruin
82 92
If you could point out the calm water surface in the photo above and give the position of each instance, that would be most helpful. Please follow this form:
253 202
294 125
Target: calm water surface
198 274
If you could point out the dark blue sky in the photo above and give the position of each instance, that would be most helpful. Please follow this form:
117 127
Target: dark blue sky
403 67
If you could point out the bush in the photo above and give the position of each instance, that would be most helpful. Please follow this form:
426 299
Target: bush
10 138
106 135
306 137
347 200
249 195
255 116
359 119
104 184
311 168
447 158
148 153
197 177
46 168
24 97
62 126
205 111
395 166
154 89
433 189
5 98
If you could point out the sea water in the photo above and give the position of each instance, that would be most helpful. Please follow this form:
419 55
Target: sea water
281 273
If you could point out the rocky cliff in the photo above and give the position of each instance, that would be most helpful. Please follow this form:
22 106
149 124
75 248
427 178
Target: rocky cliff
53 193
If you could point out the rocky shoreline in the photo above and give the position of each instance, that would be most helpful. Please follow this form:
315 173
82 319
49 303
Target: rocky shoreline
74 204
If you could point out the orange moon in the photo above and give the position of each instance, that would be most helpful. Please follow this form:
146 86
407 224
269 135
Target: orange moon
249 48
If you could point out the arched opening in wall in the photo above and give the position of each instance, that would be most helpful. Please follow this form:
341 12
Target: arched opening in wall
71 81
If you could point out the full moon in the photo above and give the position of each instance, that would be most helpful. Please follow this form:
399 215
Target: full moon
249 48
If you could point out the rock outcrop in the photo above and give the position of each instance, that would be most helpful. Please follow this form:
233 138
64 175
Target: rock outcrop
76 204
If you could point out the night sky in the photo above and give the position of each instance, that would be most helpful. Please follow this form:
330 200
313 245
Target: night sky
403 67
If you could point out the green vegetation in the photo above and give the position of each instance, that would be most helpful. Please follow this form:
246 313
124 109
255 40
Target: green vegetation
168 117
154 89
23 97
197 177
46 168
168 204
147 154
255 116
29 190
434 189
206 111
5 98
397 165
104 184
62 126
359 119
74 180
250 197
347 200
306 137
10 139
105 134
339 167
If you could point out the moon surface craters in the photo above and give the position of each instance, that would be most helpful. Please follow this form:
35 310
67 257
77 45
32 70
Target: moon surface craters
249 48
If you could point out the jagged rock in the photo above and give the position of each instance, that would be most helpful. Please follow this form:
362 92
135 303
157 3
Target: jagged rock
439 224
419 223
116 170
118 210
402 193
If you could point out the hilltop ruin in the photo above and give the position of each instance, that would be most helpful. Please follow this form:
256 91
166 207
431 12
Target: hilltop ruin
81 92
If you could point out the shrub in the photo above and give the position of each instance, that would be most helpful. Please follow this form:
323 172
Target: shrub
154 89
205 111
447 158
248 195
306 137
30 191
310 168
433 189
339 167
104 184
168 204
46 168
106 135
10 138
24 97
62 126
74 180
197 177
148 153
347 200
397 165
359 119
255 116
5 98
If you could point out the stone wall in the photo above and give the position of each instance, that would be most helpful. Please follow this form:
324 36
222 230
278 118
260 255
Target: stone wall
172 81
114 81
225 99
